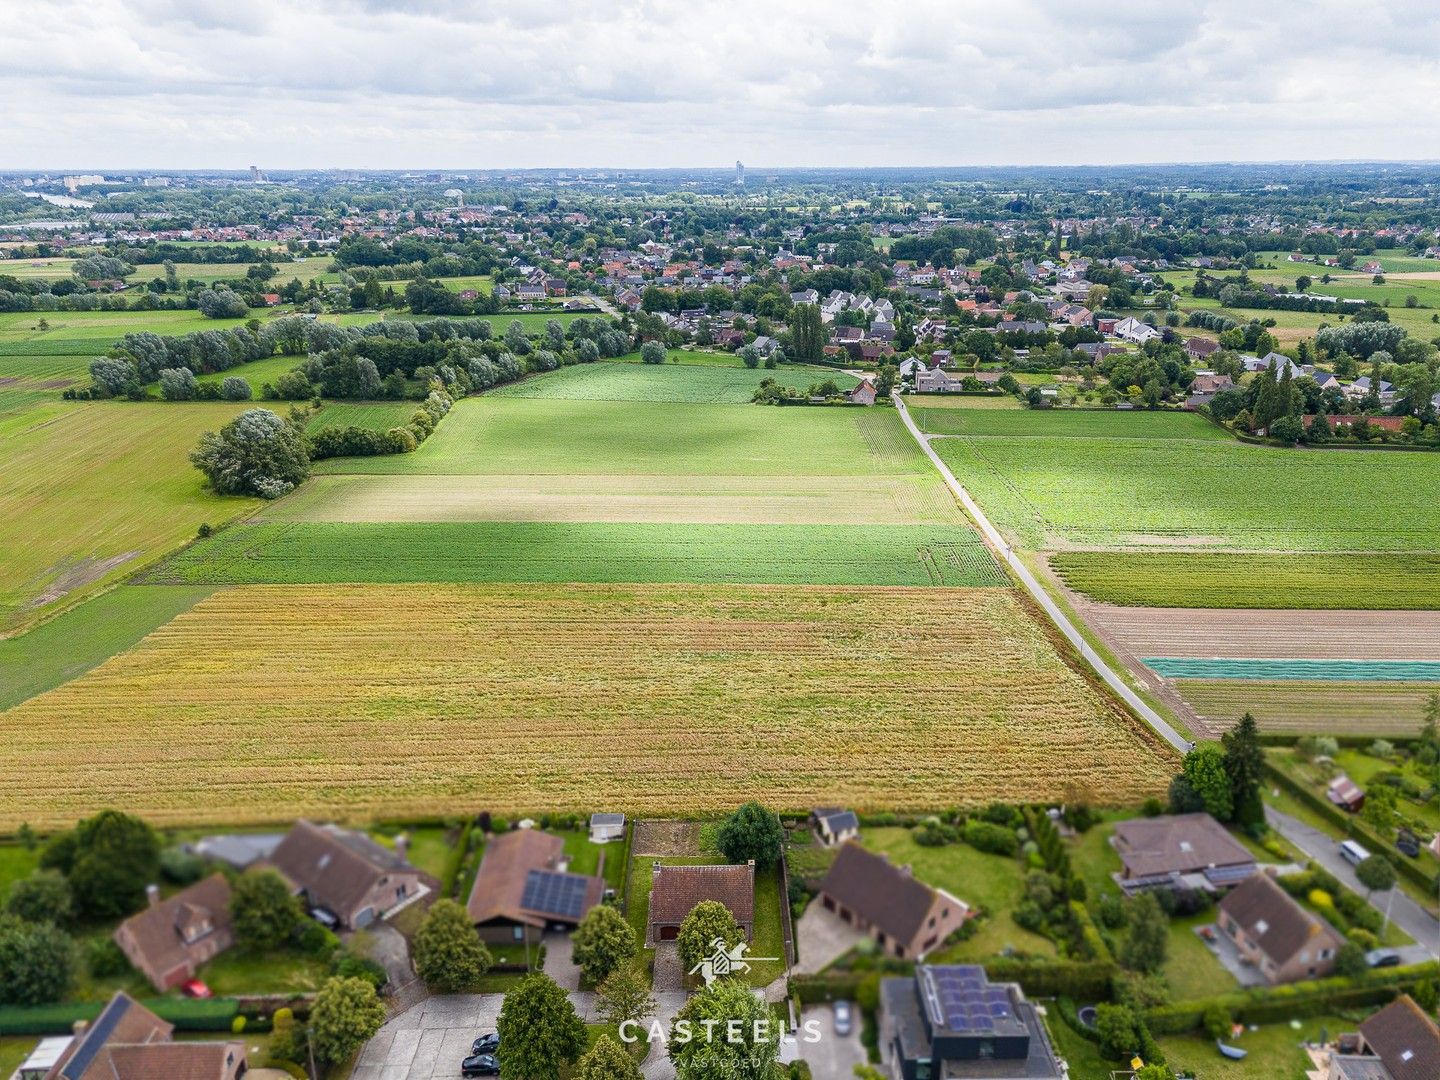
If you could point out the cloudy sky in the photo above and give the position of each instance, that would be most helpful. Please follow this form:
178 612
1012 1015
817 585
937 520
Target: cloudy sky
633 83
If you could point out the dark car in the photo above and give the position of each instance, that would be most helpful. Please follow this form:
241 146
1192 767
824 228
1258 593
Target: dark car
1407 843
480 1065
486 1044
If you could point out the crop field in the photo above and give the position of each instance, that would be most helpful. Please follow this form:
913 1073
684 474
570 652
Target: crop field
1109 424
92 491
695 357
756 500
918 403
480 283
1400 581
1073 492
375 415
59 269
305 553
1347 708
362 701
667 382
519 436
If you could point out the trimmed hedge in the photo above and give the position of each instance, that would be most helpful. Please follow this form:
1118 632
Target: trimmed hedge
1266 1005
1085 981
1091 940
1351 826
214 1014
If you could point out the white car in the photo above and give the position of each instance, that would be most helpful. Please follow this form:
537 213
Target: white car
844 1018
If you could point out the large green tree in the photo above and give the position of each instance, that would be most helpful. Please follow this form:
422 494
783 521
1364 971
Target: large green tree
44 896
37 962
807 333
346 1015
264 910
707 921
742 1038
1377 873
1149 938
602 942
540 1031
625 995
257 453
108 860
1245 765
1204 770
751 832
607 1060
449 954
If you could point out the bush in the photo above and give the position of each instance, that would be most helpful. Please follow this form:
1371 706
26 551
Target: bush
234 388
103 958
652 352
1216 1021
180 867
995 839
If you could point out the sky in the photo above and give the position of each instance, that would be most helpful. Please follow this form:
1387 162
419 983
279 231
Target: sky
471 84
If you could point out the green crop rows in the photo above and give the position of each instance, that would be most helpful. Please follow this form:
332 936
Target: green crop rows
661 382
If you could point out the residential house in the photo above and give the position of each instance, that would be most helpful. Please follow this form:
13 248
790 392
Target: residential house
524 887
171 939
555 286
949 1022
1022 326
906 917
805 296
129 1042
1345 793
1400 1042
863 394
941 357
833 825
936 381
1132 329
675 890
1200 349
347 874
606 827
1208 383
1097 350
1179 851
1273 932
1361 388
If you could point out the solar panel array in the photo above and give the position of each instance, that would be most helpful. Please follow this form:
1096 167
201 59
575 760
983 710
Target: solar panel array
966 1001
561 895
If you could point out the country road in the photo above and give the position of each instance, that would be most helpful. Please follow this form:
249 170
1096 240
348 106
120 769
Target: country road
1404 912
1058 617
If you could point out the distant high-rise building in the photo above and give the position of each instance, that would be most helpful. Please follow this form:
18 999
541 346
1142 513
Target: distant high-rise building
256 176
740 173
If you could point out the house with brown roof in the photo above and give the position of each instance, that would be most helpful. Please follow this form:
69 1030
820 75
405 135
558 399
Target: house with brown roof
1270 930
1198 348
1179 851
171 939
347 874
906 917
524 887
675 890
1400 1042
129 1042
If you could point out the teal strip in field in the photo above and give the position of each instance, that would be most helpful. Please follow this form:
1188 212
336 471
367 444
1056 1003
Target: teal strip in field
1177 667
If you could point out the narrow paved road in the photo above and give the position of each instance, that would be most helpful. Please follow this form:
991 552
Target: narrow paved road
1404 912
1058 617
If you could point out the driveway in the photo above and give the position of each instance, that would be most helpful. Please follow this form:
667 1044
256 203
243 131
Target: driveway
832 1055
1225 950
821 939
1404 912
559 961
390 950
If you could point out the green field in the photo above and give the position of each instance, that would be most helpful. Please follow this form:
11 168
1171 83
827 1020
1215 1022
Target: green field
699 357
1074 492
90 492
59 269
375 415
516 436
1223 580
1387 709
70 645
1068 423
668 382
393 552
257 373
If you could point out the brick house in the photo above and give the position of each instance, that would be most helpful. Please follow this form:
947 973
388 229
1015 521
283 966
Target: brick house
1283 940
524 887
171 939
347 874
906 917
675 890
1179 851
129 1042
1400 1042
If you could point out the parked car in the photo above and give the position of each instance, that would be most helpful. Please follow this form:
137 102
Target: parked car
844 1018
194 988
325 917
1382 958
1353 853
480 1065
1407 843
486 1044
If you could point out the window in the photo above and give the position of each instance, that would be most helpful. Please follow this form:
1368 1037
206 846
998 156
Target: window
519 932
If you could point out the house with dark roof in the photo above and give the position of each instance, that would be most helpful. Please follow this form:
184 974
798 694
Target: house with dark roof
129 1042
1179 851
906 917
171 939
1199 348
1400 1042
949 1022
675 890
1270 930
347 874
524 887
833 825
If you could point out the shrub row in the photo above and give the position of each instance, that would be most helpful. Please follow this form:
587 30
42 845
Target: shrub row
215 1014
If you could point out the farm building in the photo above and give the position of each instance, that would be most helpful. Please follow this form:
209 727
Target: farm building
906 917
675 890
606 827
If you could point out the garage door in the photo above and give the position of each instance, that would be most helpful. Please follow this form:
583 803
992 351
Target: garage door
669 933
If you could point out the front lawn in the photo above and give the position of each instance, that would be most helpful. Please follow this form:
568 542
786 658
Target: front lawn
992 882
1274 1051
240 973
1191 970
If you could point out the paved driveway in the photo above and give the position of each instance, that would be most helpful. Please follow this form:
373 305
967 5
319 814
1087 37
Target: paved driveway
833 1055
1404 912
821 939
1226 951
560 961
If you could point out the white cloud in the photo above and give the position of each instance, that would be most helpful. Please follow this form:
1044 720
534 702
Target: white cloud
470 83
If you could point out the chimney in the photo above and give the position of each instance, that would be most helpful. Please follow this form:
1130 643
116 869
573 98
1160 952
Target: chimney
79 1027
402 845
152 894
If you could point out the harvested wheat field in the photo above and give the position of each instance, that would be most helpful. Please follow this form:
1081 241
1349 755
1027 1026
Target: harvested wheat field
263 703
1388 709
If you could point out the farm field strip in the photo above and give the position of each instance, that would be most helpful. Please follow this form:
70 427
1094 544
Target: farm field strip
915 555
1108 424
1261 634
712 384
364 700
774 500
1341 708
1207 579
1280 668
375 415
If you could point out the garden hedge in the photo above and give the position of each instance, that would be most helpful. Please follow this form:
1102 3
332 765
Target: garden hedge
215 1014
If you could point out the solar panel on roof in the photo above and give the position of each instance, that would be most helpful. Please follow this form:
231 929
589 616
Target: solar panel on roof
95 1037
561 895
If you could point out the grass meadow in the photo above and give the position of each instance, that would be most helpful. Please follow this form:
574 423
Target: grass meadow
692 383
406 701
